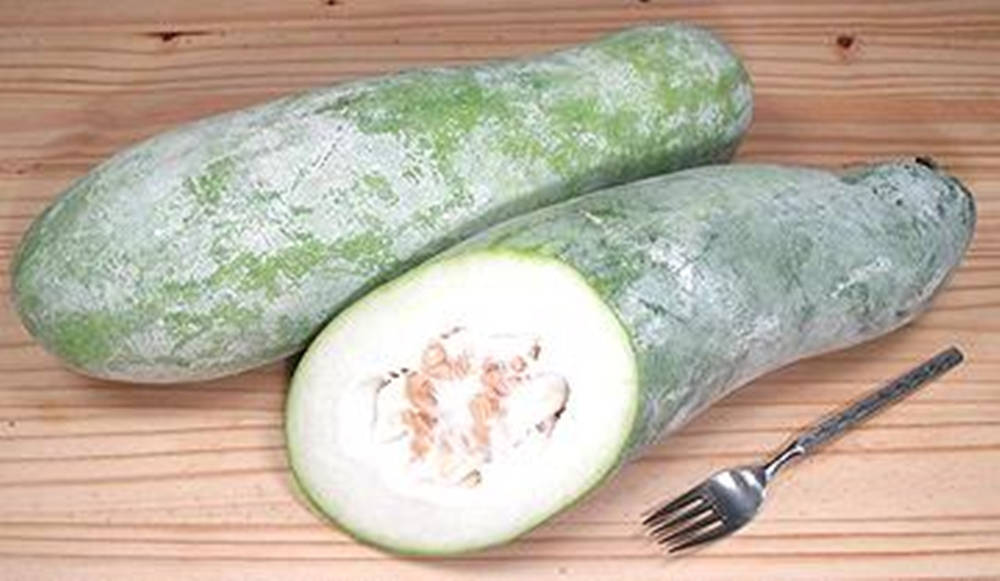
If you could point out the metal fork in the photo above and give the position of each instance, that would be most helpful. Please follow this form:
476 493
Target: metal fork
729 499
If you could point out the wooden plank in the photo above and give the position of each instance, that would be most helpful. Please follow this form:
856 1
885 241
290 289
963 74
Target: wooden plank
101 480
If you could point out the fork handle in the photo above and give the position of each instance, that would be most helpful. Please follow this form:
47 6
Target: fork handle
863 409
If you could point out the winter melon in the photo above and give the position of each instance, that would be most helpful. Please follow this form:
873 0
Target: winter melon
227 243
475 396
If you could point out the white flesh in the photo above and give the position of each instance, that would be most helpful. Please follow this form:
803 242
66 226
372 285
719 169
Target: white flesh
359 481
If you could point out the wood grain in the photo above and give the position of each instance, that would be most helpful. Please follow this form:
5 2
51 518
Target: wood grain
102 480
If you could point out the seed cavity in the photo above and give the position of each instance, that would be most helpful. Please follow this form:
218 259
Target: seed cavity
471 400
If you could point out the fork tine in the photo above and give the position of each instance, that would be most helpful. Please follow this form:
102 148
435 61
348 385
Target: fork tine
710 518
675 504
696 510
710 535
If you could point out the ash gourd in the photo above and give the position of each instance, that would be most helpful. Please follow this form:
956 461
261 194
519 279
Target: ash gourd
227 243
646 302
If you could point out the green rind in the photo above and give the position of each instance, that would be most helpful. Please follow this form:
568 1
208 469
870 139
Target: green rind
721 274
330 511
227 243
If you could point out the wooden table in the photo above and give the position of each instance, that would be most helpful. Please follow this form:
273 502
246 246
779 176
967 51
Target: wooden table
102 480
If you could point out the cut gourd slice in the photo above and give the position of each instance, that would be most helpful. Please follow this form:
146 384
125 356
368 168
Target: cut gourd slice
459 406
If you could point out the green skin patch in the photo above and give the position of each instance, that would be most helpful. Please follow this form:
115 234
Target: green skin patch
227 243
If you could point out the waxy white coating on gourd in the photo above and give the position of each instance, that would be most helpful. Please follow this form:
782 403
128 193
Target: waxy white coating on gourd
724 273
677 290
227 243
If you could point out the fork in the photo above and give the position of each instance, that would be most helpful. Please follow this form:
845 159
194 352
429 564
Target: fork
729 499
